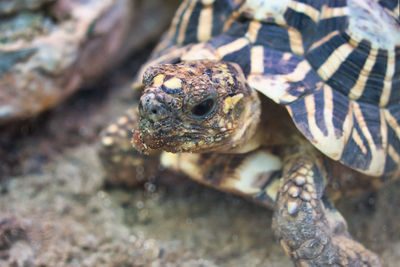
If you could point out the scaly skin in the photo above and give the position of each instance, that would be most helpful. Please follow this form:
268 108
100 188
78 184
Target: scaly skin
311 231
124 165
198 107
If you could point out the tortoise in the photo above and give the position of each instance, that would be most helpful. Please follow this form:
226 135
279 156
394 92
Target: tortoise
290 104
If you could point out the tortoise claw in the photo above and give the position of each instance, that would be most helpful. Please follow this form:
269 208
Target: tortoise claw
123 163
311 231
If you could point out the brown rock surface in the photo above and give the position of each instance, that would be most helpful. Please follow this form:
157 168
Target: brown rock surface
49 48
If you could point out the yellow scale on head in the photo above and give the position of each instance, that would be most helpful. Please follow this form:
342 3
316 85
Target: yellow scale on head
224 77
158 80
231 101
173 83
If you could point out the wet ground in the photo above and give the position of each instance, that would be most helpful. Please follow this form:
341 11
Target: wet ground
57 210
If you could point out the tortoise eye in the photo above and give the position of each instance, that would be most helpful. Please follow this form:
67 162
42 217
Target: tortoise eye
200 111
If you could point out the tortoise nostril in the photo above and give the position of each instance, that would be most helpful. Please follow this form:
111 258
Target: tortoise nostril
152 109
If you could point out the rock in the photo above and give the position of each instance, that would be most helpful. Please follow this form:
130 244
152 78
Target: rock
49 51
9 7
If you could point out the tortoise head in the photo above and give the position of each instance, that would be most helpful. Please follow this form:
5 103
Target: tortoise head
196 106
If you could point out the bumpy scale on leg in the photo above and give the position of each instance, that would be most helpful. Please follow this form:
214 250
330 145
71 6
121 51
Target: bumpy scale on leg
311 231
122 163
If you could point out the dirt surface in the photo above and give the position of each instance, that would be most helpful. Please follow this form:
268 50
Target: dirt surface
56 209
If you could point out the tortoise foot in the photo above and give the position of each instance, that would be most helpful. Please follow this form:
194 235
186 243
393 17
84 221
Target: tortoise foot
311 231
122 163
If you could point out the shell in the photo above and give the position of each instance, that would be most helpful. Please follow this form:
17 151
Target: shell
335 65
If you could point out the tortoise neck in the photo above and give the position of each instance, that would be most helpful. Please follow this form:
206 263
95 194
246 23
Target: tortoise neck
247 135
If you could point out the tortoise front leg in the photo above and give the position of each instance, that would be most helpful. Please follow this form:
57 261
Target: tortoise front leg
123 163
311 231
254 175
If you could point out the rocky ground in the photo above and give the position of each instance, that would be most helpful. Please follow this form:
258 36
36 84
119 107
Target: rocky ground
57 209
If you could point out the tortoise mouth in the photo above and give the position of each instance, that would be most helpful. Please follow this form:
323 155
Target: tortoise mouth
165 135
172 136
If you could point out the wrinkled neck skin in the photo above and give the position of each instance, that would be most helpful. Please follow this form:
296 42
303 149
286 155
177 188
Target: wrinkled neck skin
265 123
247 136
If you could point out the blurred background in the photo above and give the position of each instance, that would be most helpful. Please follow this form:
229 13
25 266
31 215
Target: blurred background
66 69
